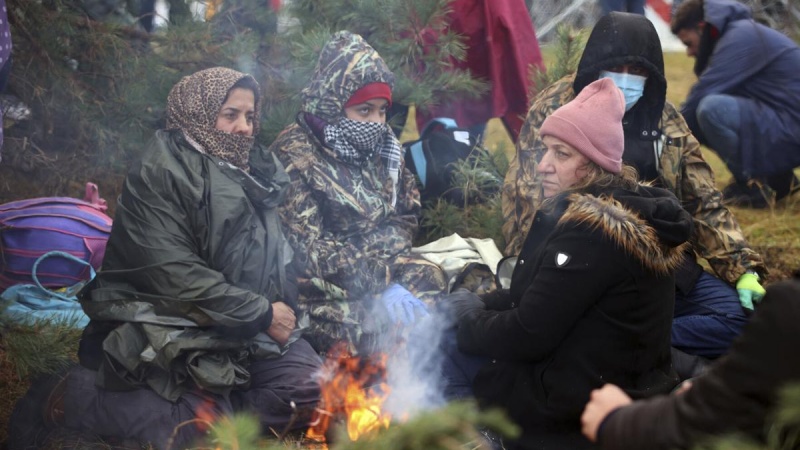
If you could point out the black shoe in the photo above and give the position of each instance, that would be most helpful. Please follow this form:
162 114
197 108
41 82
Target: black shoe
783 184
734 190
755 194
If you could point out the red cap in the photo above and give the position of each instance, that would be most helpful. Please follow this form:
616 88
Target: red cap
368 92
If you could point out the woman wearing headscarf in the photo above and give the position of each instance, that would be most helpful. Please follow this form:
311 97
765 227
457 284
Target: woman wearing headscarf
192 309
352 208
592 294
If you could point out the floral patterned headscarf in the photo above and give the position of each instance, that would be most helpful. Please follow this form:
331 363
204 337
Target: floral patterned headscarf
193 106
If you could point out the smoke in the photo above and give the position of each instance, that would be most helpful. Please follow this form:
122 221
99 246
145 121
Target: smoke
414 369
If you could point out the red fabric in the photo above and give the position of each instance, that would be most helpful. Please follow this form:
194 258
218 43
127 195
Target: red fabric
714 32
368 92
275 4
662 8
501 45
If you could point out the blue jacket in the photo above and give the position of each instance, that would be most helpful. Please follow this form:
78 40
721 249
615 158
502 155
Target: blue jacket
760 66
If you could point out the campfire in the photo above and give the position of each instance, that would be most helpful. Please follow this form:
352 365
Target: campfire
354 390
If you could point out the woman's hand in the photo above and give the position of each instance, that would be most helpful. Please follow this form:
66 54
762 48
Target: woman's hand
283 323
601 402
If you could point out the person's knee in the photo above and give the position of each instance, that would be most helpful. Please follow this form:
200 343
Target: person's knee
707 114
718 114
709 336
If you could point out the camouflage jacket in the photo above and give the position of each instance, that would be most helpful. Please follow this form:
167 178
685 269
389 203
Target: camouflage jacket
345 233
339 216
339 219
682 170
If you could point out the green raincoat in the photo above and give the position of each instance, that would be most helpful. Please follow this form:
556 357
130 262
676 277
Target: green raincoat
194 261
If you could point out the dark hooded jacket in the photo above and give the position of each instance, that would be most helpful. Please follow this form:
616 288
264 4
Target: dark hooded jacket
624 38
759 66
349 224
590 302
658 143
194 261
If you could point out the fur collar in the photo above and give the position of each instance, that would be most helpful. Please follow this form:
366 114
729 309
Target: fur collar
627 228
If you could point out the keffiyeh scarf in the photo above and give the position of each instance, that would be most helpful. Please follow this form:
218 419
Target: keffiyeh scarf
356 142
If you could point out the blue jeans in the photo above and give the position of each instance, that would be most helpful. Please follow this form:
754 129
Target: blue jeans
708 319
719 118
458 369
631 6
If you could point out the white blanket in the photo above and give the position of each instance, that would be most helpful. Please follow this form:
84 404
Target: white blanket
453 252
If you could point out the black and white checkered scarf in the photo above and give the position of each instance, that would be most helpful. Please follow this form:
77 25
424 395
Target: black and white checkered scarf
356 142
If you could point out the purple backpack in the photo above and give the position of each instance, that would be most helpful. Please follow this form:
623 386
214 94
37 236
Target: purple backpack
33 227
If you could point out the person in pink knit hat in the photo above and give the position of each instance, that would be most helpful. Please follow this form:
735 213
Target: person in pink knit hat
592 294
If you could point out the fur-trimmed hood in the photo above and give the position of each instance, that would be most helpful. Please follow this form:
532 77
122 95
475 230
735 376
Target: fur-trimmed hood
649 224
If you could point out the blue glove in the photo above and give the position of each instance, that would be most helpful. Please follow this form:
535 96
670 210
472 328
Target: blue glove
749 289
402 305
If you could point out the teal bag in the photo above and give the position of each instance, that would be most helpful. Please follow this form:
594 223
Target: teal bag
27 304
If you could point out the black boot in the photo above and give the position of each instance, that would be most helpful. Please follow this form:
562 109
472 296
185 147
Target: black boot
783 184
752 194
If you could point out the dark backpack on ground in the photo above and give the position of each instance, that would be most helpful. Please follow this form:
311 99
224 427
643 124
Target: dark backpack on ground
30 228
434 156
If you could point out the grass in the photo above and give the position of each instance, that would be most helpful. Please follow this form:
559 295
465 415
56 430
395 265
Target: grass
774 232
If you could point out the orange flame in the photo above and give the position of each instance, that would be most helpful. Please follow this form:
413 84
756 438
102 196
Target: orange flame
353 390
205 415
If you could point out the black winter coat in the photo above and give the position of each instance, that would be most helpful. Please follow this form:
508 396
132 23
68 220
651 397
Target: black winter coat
738 394
591 302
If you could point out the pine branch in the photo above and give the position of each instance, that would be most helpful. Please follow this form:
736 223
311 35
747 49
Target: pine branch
569 45
453 427
42 348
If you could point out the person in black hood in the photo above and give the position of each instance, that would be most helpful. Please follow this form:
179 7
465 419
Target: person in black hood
591 297
709 311
622 48
631 6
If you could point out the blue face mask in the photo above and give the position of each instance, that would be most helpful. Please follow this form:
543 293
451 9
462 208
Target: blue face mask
632 86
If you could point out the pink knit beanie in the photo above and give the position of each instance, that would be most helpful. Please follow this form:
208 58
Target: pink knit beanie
592 123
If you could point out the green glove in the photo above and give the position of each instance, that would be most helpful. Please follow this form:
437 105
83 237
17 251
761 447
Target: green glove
749 289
